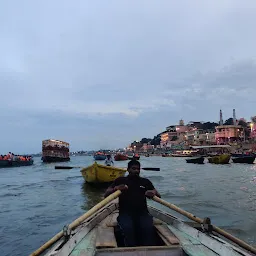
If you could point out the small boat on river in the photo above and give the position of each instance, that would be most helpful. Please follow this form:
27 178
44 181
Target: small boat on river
219 159
196 160
120 157
96 233
99 156
98 174
15 163
184 153
245 159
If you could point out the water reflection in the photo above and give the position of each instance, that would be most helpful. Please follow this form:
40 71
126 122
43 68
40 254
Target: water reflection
92 194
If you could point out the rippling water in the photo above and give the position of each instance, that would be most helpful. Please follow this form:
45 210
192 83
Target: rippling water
37 201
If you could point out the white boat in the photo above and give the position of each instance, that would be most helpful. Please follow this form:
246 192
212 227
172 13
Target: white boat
99 235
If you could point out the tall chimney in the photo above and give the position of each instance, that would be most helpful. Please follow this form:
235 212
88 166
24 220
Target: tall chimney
234 116
221 119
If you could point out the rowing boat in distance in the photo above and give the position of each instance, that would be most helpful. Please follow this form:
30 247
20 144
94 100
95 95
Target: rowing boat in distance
99 156
244 159
15 163
196 160
98 173
219 159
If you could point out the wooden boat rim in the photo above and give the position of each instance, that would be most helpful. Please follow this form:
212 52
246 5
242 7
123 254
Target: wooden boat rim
210 241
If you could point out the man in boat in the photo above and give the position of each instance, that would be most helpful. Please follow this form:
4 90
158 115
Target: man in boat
134 218
109 161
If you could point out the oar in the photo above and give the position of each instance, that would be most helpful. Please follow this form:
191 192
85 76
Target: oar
71 167
198 220
77 222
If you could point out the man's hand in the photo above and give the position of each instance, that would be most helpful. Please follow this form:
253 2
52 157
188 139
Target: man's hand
121 187
150 193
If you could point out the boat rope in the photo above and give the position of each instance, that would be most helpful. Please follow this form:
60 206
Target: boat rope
66 232
206 225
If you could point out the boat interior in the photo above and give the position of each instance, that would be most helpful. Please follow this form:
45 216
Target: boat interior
101 235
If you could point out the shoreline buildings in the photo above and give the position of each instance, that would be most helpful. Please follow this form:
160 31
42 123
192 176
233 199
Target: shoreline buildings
233 131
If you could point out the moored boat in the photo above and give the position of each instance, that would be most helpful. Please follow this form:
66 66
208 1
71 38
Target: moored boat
219 159
15 163
97 173
120 157
245 159
196 160
55 151
97 233
184 153
99 156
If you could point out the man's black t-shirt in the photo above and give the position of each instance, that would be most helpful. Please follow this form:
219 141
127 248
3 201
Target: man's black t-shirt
133 200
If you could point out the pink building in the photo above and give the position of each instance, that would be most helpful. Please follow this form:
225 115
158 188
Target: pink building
228 133
253 131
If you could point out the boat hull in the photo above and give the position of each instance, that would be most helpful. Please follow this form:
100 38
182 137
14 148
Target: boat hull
99 235
198 160
221 159
7 163
99 157
244 159
121 157
98 173
54 159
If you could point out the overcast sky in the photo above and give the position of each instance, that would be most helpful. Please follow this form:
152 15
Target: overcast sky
100 74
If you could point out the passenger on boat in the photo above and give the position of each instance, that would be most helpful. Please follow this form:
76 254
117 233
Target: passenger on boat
109 161
134 219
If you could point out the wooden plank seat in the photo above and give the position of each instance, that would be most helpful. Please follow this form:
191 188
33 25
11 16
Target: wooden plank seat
105 238
166 235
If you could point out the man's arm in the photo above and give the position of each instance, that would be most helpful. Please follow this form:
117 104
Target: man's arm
116 185
151 191
111 189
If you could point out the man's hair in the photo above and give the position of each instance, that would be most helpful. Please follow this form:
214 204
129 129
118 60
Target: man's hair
133 162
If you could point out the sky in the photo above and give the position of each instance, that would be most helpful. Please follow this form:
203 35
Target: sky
101 74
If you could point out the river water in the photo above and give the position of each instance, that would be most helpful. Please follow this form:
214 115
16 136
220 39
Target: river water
37 201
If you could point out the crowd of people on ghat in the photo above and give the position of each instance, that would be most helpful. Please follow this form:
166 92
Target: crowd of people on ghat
12 157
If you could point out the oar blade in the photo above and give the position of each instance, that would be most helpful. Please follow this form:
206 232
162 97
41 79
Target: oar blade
151 169
63 167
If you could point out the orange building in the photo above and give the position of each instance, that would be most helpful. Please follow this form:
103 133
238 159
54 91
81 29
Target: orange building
228 133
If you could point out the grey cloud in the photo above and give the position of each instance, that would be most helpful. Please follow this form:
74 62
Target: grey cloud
105 73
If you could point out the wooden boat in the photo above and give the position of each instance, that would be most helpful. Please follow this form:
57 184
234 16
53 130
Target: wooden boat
120 157
220 159
245 159
99 156
18 163
196 160
97 233
242 154
98 173
184 153
55 151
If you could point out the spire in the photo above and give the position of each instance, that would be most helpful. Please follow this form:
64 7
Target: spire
234 117
221 119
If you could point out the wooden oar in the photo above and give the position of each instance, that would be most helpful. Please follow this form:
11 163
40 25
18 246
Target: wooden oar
198 220
71 167
77 222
